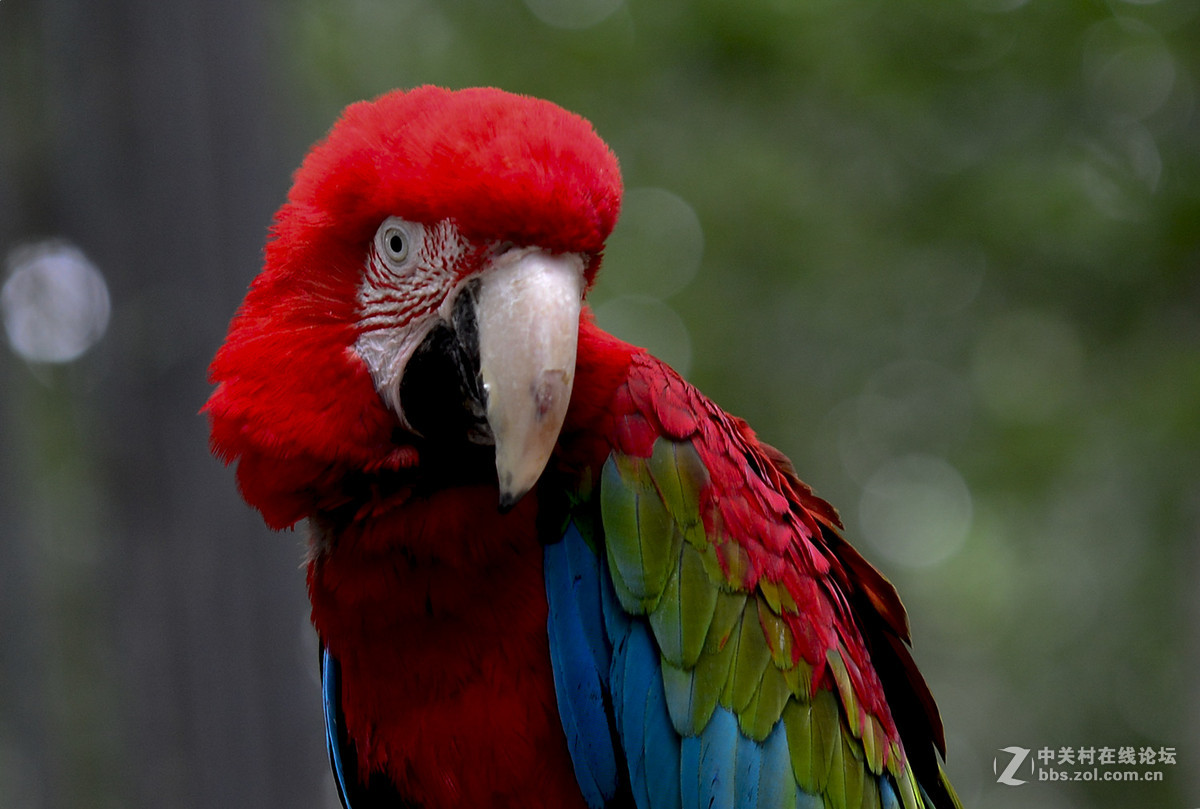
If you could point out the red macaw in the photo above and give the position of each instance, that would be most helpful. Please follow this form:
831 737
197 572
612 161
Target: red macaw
545 570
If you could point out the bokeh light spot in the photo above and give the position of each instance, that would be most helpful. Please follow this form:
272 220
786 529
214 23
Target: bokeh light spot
916 510
55 303
1130 70
573 14
656 247
908 406
650 324
997 6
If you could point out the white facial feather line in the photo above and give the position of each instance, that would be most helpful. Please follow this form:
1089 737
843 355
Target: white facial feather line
399 304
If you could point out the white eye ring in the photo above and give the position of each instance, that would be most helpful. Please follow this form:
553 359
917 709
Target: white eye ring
396 241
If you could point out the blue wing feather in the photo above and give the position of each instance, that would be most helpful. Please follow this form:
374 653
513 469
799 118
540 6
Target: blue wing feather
578 653
689 771
585 568
887 795
633 657
748 765
647 735
718 761
608 680
661 751
334 733
775 792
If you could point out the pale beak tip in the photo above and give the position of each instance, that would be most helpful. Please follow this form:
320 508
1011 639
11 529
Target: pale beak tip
508 500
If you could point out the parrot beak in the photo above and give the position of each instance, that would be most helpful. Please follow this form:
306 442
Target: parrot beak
527 309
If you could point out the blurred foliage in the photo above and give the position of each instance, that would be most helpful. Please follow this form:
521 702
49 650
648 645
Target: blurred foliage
949 264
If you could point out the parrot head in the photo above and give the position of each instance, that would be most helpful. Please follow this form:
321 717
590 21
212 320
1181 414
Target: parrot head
423 284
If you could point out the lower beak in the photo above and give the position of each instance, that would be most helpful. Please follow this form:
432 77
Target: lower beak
527 314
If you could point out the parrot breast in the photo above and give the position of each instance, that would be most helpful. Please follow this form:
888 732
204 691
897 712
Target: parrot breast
435 611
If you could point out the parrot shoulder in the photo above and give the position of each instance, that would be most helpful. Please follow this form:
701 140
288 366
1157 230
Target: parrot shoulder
732 618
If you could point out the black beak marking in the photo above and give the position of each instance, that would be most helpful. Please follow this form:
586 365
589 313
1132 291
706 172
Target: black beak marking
442 392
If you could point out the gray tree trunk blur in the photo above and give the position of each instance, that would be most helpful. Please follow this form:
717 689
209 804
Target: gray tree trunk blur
155 652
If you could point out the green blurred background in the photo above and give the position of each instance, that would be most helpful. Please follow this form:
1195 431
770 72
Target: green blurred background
945 255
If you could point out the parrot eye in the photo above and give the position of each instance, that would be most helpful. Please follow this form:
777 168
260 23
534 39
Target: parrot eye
396 241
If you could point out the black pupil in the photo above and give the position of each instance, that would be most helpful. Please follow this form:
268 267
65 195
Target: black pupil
396 243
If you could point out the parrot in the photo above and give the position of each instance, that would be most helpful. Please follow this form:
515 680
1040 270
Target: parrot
544 569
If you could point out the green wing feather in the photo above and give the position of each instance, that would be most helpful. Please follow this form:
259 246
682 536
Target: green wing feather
724 643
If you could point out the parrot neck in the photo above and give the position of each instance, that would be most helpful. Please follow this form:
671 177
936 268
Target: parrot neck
601 368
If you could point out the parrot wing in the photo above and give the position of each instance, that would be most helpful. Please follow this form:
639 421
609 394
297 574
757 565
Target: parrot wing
715 642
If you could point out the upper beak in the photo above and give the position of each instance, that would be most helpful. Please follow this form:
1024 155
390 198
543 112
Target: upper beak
527 312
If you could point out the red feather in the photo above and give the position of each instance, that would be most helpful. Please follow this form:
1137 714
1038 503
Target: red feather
765 522
435 608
